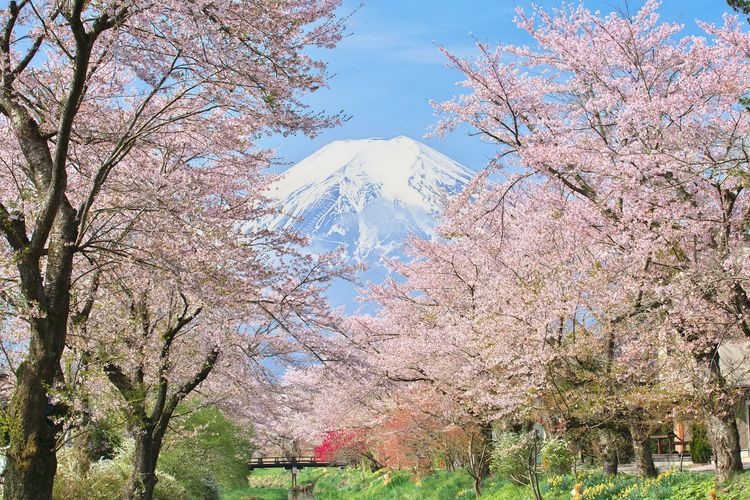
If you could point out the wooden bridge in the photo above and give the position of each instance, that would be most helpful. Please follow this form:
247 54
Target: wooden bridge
289 462
292 464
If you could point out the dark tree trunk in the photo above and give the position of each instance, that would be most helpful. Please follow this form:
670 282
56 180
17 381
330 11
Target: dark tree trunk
32 463
725 441
143 478
533 469
479 456
608 451
149 427
477 486
487 435
722 430
644 460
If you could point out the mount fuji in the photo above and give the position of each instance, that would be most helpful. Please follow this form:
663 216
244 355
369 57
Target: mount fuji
367 195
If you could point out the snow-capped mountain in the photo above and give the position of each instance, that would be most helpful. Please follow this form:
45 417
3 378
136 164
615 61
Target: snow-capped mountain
366 194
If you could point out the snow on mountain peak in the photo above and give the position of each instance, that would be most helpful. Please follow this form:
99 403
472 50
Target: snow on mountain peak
366 194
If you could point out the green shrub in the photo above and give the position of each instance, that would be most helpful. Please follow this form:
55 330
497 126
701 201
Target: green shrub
700 449
206 488
208 454
105 438
511 456
557 458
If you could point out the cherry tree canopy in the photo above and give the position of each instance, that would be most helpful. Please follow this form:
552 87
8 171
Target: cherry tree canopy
648 131
120 109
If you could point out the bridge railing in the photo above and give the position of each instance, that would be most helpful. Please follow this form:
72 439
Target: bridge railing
287 462
278 460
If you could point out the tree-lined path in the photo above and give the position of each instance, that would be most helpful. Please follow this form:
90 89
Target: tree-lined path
579 301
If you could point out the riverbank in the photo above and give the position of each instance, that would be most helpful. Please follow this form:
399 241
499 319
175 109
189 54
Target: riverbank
357 484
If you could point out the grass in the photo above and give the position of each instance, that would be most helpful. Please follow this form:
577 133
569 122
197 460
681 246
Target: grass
271 484
736 489
358 484
256 494
391 485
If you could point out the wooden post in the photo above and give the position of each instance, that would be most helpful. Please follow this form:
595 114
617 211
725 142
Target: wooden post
294 478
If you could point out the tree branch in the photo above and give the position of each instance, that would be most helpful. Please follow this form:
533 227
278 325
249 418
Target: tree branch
188 386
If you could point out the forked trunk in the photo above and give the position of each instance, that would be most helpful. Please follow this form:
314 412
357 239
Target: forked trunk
725 441
32 462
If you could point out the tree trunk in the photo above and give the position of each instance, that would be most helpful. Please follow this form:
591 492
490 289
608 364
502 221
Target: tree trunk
487 452
722 431
725 441
32 463
608 451
479 455
644 460
535 489
533 469
143 478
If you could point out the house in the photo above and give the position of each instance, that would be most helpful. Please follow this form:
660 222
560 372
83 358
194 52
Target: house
734 360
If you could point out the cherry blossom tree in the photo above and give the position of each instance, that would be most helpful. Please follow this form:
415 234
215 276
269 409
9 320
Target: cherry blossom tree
93 91
385 421
647 131
515 313
159 335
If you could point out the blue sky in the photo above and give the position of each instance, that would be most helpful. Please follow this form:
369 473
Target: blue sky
389 66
